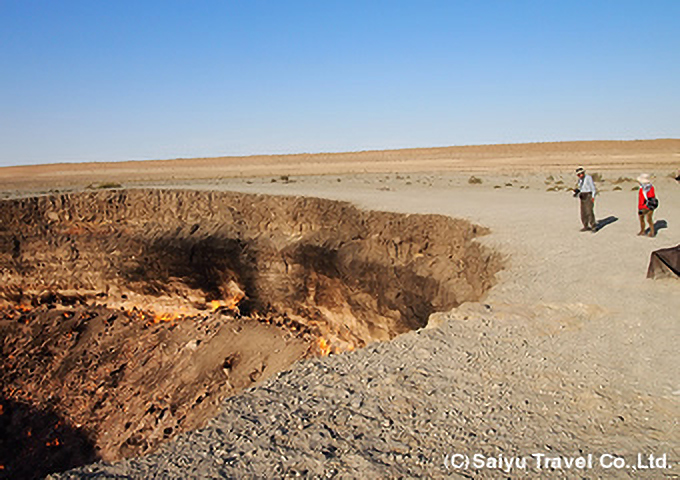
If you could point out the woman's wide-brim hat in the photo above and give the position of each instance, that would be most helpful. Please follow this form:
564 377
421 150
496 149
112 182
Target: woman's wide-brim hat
644 179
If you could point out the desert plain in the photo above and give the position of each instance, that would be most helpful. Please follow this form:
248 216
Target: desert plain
572 353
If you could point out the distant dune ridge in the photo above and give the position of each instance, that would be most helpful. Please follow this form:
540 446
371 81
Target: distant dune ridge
527 156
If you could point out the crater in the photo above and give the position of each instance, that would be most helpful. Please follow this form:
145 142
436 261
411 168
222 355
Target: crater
130 315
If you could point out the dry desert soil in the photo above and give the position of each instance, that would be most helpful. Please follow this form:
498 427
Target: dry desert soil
392 314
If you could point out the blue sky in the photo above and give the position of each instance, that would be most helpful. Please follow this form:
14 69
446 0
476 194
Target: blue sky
134 80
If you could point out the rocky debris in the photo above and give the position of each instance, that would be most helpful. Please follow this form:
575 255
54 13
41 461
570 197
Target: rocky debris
479 382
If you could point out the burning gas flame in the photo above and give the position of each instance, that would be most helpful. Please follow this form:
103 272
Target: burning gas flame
53 443
165 317
229 304
324 347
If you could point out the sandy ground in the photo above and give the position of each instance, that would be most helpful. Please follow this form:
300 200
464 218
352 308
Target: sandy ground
535 157
584 295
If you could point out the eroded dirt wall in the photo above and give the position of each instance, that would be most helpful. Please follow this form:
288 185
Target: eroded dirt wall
127 316
375 274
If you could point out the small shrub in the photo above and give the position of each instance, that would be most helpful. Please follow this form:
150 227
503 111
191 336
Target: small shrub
622 180
98 186
474 180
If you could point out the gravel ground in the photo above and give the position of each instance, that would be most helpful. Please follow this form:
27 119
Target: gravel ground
475 382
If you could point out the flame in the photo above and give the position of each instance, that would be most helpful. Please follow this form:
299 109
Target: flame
53 443
214 305
165 317
324 347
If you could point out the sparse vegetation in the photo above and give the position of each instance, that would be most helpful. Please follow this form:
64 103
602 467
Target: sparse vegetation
104 185
622 180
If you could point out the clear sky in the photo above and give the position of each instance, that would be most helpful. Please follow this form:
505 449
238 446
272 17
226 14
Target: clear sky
133 79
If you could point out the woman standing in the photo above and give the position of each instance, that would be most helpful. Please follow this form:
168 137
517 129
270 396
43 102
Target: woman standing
645 207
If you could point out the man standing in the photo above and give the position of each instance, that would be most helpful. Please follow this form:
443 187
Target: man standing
586 192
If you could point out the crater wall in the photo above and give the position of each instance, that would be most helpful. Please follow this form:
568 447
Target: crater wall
130 315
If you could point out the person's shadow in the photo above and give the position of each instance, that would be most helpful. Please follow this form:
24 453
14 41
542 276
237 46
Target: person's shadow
604 222
660 224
